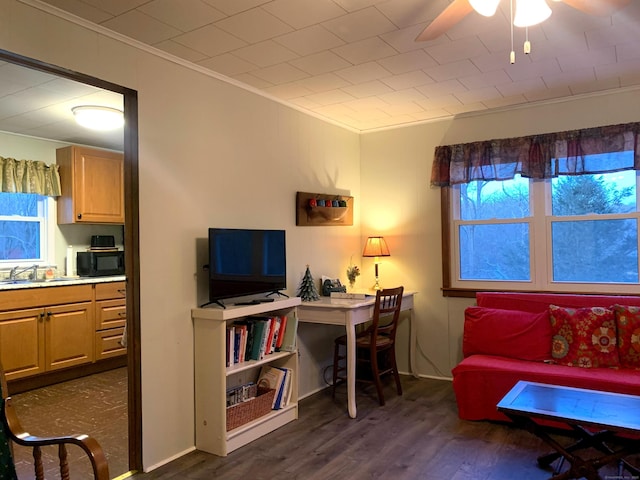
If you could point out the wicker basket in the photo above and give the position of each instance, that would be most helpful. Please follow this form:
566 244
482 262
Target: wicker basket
245 412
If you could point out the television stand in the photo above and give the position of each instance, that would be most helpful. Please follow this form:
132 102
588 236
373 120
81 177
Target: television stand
277 292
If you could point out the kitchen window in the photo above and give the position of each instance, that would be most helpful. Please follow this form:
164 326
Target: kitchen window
571 226
25 231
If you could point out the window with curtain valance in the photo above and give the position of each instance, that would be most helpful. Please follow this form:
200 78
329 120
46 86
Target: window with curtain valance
543 156
29 176
555 212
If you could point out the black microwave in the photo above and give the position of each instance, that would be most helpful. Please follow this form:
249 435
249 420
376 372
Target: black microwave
100 264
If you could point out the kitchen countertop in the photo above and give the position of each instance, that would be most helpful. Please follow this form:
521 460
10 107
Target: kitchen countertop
59 282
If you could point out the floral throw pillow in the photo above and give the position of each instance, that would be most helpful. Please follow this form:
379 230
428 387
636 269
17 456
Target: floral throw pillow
584 337
628 324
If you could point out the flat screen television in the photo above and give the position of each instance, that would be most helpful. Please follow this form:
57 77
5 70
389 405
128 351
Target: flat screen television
246 262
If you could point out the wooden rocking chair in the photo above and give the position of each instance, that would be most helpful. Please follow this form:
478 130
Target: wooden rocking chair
11 430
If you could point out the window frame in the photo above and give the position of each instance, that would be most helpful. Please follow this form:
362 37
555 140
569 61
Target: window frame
541 267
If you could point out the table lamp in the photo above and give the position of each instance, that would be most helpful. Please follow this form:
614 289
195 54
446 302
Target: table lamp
376 247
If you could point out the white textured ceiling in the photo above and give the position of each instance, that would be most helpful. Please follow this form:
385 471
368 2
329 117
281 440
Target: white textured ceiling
355 62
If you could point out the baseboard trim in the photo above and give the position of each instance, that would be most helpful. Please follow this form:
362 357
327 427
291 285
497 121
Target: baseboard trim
168 460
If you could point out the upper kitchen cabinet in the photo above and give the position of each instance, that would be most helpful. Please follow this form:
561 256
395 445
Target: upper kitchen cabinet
92 183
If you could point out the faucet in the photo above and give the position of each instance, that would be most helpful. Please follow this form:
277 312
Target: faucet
15 271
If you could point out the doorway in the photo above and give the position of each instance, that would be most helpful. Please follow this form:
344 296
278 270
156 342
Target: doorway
131 232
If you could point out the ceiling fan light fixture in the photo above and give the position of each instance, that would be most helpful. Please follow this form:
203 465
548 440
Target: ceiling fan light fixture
485 7
531 12
98 118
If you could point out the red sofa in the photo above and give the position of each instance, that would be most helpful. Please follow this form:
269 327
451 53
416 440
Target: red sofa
507 337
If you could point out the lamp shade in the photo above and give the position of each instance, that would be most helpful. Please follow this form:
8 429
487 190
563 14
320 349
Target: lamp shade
97 117
531 12
485 7
376 247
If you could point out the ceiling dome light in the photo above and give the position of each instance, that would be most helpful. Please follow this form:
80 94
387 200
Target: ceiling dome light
531 12
98 118
485 7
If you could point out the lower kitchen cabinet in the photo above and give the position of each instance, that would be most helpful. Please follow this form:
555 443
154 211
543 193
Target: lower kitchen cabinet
46 329
44 339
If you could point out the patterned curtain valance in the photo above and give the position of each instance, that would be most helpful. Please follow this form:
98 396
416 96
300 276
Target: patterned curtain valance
538 156
29 176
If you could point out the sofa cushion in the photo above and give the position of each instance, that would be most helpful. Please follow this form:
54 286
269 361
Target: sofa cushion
628 324
493 331
584 337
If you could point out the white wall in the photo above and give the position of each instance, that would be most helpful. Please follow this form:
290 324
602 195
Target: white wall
396 164
210 154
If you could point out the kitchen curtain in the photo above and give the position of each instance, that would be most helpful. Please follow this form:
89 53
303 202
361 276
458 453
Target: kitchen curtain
29 176
573 152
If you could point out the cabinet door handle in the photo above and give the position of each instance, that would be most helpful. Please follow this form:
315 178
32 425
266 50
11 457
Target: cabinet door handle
122 291
79 216
49 314
41 315
122 314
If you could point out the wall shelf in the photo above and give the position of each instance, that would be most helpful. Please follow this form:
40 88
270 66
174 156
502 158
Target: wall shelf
323 209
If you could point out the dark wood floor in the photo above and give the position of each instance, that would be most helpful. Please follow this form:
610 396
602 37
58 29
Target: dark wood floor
95 405
415 436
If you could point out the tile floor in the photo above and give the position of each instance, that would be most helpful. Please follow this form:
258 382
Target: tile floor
95 405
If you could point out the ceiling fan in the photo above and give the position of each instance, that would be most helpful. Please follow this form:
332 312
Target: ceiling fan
458 9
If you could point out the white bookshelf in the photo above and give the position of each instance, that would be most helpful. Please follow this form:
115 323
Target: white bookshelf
213 377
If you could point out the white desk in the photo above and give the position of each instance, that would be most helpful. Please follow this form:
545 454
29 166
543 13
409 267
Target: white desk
350 313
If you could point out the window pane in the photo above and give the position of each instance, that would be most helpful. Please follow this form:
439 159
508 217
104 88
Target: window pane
588 194
21 204
495 252
597 251
482 200
19 240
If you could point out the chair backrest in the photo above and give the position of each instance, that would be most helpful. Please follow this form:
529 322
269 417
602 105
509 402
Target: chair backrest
7 467
388 303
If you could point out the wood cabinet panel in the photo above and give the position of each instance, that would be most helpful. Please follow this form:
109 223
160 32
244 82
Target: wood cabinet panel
92 184
43 296
108 343
69 335
106 291
21 342
110 314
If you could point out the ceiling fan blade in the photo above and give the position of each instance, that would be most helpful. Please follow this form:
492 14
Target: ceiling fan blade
456 11
602 8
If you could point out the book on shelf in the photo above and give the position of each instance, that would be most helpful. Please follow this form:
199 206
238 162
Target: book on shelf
241 393
255 337
290 334
277 322
259 327
283 329
271 377
230 345
283 395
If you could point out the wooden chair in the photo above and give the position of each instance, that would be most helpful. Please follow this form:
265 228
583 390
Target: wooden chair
376 345
11 430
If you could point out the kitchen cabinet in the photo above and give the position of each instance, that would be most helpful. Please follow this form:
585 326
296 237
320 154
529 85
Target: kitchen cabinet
92 183
110 319
46 332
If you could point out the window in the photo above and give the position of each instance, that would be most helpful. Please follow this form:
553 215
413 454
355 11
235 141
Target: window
24 229
568 233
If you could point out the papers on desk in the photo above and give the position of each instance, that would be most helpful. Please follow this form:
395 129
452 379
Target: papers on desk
350 296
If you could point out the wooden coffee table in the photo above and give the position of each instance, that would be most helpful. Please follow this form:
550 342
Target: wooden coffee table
601 419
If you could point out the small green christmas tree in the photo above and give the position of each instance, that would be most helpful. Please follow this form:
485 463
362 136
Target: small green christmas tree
307 290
